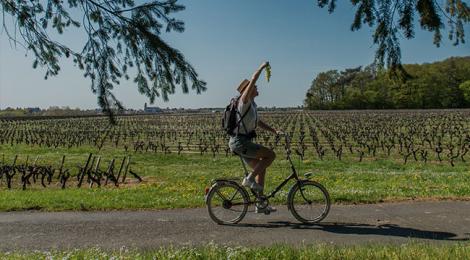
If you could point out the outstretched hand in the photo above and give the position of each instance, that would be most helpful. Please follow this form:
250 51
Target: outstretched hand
265 64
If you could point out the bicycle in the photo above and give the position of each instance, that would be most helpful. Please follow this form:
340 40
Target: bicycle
227 201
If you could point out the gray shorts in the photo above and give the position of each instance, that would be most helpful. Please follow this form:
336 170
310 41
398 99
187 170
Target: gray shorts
244 147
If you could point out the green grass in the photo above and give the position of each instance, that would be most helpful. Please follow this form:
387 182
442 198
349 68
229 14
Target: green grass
410 251
177 181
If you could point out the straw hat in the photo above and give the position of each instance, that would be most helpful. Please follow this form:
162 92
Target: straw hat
243 85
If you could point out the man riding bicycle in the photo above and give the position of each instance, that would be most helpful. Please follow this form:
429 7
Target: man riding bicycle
255 155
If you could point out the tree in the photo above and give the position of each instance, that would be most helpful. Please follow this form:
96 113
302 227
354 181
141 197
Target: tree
391 18
324 90
465 88
346 77
441 84
122 38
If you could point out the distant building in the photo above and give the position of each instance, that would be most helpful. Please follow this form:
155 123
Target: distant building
33 109
151 109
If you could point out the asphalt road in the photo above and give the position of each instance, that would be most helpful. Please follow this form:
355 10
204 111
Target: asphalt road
442 222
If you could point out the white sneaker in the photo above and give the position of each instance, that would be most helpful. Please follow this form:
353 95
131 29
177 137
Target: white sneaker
252 184
266 210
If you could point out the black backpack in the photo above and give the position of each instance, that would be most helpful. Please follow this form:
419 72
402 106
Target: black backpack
229 117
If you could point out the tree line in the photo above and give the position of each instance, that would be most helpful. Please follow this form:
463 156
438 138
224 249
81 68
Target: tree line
442 84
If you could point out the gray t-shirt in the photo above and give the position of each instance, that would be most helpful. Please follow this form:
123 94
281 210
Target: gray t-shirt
250 121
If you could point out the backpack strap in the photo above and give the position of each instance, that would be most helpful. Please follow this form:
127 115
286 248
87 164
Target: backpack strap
241 116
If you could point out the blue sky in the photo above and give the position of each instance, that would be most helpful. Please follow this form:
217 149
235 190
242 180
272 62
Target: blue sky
226 41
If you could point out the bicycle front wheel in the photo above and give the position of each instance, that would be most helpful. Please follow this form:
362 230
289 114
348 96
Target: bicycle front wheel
227 203
309 202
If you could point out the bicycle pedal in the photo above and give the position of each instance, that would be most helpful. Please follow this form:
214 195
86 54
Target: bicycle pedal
267 212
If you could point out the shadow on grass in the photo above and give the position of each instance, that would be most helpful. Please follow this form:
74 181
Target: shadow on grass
363 229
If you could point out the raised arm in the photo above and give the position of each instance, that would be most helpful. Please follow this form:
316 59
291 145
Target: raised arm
247 94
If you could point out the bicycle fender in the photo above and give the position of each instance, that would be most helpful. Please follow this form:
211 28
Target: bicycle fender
231 180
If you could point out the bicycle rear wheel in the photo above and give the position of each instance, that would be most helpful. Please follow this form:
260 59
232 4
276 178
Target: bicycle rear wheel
227 203
309 202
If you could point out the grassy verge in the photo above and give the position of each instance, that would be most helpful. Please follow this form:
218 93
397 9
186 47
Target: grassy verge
175 181
406 251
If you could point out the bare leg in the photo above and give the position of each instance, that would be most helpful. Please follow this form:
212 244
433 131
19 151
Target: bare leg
266 157
260 177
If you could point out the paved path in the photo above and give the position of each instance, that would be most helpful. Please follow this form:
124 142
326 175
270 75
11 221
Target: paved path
444 221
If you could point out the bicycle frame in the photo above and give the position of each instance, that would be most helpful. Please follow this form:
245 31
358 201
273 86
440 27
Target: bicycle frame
293 175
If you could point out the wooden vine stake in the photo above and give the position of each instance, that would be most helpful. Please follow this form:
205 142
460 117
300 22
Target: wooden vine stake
82 174
127 168
120 170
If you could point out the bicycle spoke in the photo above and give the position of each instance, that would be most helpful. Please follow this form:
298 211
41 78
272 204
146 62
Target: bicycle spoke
221 195
303 196
234 194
